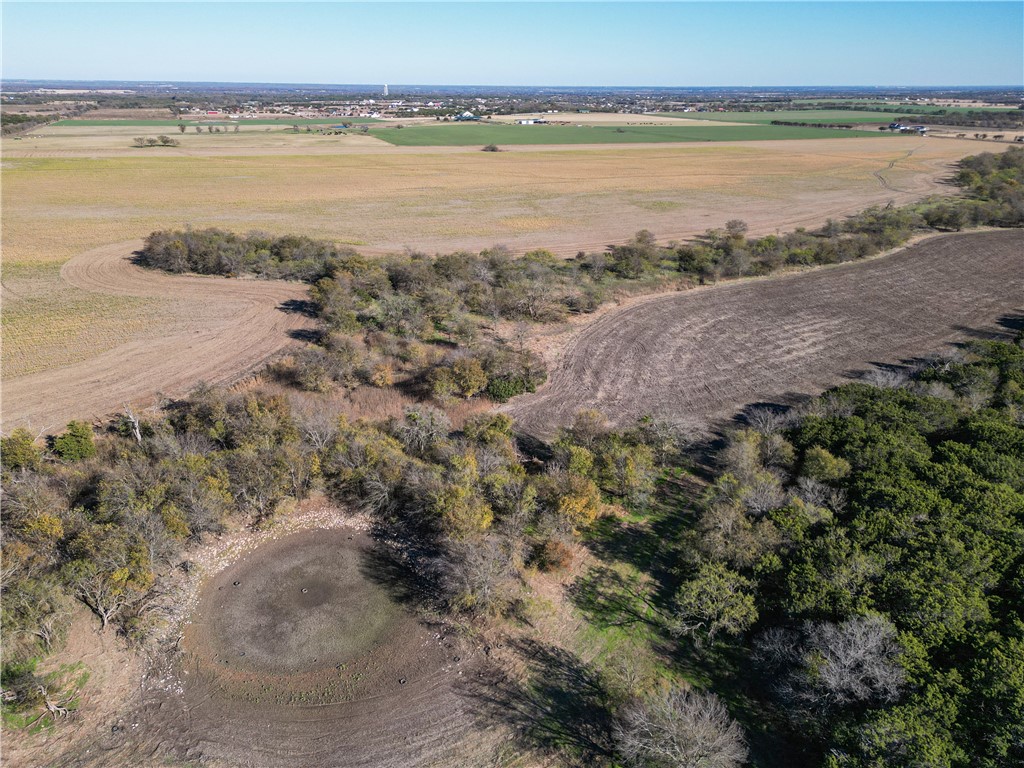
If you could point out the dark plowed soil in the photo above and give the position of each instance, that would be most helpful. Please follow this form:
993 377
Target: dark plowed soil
705 353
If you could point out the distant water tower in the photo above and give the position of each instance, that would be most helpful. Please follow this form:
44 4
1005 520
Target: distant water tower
385 89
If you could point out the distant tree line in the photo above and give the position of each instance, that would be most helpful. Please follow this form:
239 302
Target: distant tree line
812 125
14 122
979 118
159 141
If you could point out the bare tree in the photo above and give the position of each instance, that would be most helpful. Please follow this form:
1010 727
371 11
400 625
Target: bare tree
318 425
679 729
885 378
133 423
479 575
763 495
828 665
422 428
856 660
767 421
106 596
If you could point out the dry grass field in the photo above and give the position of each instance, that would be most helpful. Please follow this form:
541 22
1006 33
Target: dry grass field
197 329
704 353
79 189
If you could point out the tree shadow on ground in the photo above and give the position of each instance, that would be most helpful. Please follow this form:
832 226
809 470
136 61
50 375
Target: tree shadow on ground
303 307
609 599
387 569
560 706
310 335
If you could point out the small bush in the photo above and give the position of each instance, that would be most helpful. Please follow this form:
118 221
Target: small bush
491 148
76 443
503 389
552 555
18 450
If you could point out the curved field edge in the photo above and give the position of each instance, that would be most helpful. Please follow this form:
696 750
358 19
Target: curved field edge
703 354
232 327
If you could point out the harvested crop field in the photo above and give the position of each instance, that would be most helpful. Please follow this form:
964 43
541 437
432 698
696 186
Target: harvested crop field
704 353
72 192
211 329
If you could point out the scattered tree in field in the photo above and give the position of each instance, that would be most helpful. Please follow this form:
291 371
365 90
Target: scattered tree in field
491 148
182 127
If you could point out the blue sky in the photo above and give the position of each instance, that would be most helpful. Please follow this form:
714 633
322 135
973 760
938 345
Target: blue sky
533 43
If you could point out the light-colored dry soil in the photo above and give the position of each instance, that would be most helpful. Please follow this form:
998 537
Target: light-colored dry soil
219 330
701 354
114 675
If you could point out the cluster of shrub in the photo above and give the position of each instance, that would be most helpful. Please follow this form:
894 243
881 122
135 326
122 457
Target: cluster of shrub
216 252
103 520
11 122
159 141
865 554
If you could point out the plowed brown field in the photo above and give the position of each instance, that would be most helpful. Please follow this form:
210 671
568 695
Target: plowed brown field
704 353
227 328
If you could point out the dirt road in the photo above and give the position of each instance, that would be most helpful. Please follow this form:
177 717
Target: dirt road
231 326
704 353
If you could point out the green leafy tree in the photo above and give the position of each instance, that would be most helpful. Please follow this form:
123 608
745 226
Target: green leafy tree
18 450
76 443
715 600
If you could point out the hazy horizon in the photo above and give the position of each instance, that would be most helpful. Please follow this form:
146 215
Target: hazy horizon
154 83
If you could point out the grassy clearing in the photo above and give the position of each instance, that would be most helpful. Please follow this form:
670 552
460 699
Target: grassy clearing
283 121
64 685
461 135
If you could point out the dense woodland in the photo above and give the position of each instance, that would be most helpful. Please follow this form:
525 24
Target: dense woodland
859 561
867 556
